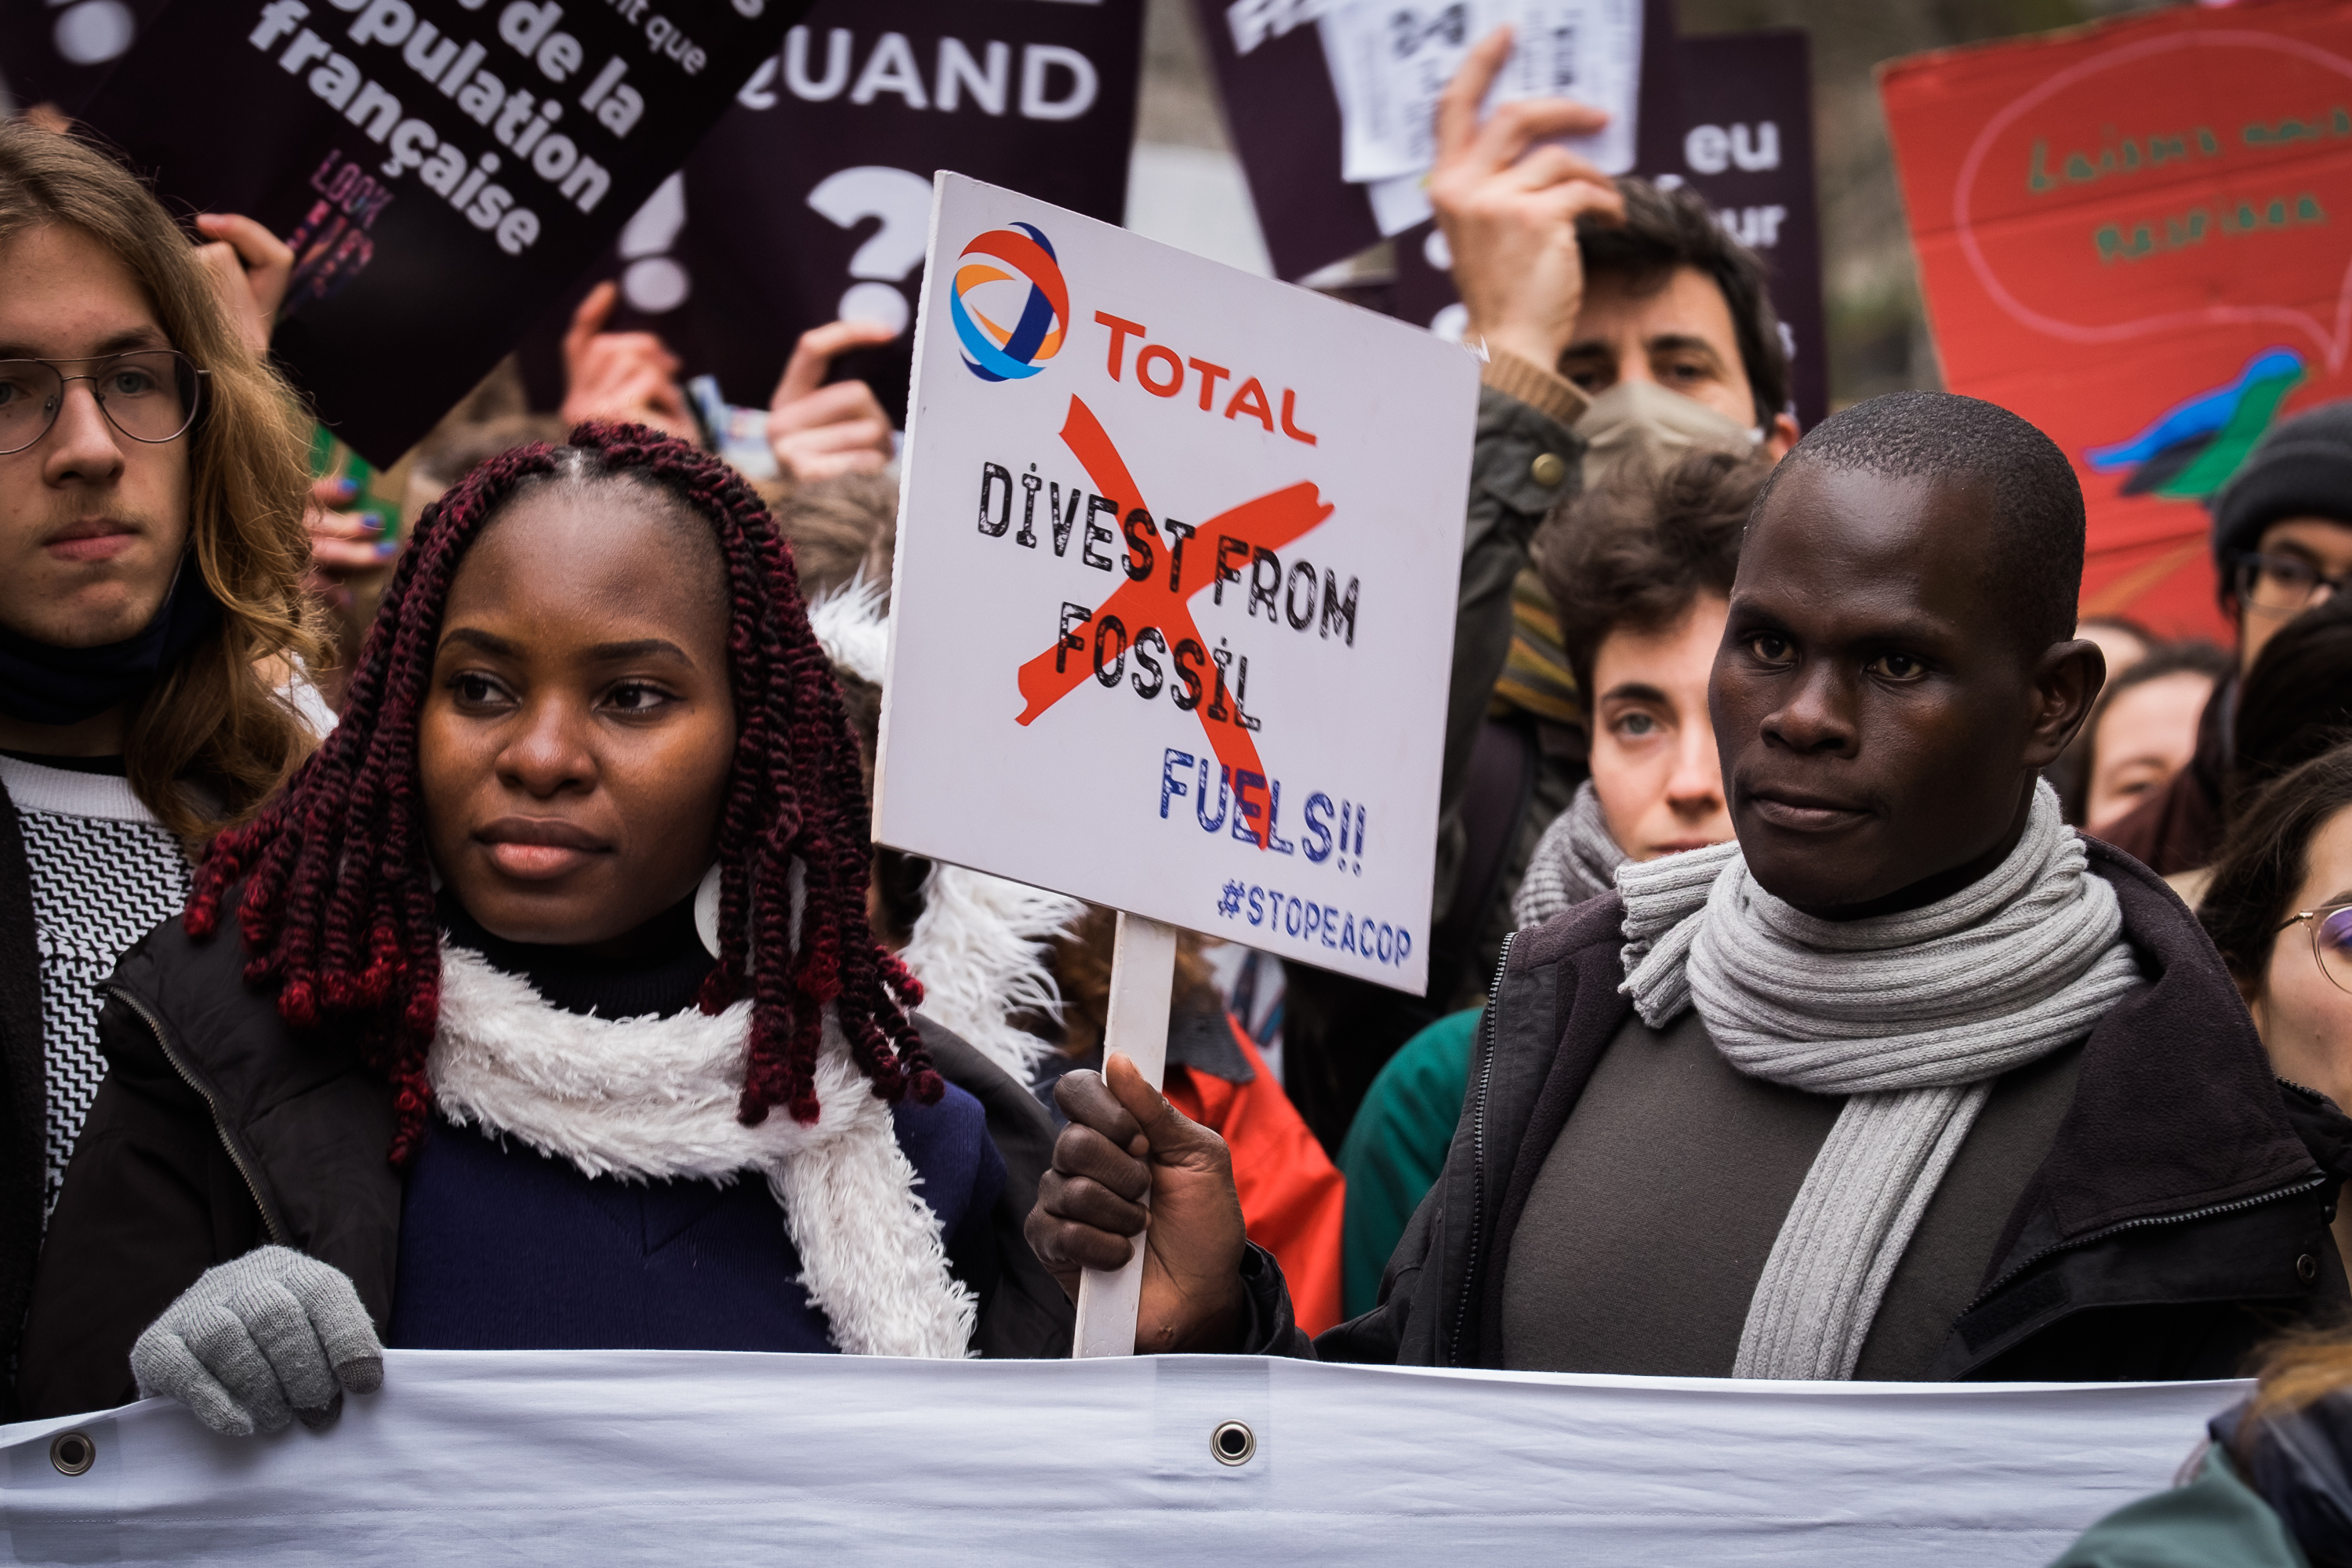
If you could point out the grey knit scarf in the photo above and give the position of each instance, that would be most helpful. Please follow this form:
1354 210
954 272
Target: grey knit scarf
1575 859
1910 1015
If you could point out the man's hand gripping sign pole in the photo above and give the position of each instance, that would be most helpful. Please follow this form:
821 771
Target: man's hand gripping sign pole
1173 607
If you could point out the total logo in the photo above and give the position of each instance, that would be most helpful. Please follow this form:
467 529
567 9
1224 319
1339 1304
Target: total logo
1012 307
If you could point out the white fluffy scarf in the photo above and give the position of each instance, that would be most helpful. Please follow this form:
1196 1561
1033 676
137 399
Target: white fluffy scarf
655 1099
1910 1015
979 945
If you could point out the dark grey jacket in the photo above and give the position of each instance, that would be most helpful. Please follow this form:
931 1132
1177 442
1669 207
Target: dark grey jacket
2178 1220
1507 502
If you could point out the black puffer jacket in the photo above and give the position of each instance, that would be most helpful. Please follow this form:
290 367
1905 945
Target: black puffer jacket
218 1130
2178 1220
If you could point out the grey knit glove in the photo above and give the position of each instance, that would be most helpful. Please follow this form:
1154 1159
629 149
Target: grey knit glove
258 1340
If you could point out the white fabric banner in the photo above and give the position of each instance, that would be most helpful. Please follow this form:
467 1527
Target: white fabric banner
626 1458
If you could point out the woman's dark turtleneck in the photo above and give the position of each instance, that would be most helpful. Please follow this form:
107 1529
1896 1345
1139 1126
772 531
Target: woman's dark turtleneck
662 973
505 1247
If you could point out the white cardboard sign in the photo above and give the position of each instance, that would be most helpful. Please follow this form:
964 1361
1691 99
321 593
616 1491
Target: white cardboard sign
1174 609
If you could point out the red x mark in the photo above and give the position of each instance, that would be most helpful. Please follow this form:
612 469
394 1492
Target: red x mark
1270 521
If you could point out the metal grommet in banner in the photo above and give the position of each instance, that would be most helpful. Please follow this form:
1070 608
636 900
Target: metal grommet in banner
1233 1443
73 1453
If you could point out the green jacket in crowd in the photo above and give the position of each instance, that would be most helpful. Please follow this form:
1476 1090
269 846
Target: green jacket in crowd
1396 1148
2216 1520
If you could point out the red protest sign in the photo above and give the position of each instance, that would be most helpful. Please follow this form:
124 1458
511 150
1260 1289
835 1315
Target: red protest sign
2137 236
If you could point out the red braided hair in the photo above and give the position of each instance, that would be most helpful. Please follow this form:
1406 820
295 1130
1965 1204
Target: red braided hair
338 910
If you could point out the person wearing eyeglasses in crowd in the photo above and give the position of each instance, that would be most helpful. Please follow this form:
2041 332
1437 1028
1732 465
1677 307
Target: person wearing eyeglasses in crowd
2281 545
2273 1487
152 488
2280 910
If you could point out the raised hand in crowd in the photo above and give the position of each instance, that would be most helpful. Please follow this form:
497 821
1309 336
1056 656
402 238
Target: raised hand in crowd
345 545
817 431
626 376
249 268
1507 199
1124 1141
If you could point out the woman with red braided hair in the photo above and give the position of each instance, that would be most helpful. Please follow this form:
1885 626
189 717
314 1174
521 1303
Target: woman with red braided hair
542 1011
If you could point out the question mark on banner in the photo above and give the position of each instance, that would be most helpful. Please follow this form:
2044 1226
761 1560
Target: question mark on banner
652 282
903 202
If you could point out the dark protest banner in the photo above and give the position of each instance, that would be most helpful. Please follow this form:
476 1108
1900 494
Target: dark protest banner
811 200
440 167
2134 236
57 52
1744 140
1268 59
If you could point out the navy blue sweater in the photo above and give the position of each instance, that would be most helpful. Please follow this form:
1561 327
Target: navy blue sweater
502 1247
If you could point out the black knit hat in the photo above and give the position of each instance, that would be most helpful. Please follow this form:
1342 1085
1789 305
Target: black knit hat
2303 467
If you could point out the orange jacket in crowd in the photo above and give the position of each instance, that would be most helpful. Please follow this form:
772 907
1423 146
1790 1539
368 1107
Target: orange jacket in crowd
1292 1198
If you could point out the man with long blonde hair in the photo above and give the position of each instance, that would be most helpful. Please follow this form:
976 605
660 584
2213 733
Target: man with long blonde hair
153 482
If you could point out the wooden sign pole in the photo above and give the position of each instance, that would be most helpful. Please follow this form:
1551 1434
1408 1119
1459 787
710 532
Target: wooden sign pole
1143 975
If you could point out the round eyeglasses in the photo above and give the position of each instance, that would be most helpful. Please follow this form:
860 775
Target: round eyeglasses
2331 941
2283 584
150 396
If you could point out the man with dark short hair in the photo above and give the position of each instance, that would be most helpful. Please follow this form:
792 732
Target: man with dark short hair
1619 323
1911 1081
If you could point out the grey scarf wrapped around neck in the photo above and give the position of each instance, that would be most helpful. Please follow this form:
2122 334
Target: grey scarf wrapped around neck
1909 1016
1575 859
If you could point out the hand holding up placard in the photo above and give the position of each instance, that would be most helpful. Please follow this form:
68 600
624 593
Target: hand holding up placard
249 268
1507 198
818 431
629 376
1126 1154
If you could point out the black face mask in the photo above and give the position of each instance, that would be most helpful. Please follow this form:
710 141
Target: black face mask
44 685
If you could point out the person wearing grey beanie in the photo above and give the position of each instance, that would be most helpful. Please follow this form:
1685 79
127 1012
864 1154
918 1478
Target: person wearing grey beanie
2283 525
2281 545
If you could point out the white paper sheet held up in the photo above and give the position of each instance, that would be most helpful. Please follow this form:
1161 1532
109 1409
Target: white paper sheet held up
1389 62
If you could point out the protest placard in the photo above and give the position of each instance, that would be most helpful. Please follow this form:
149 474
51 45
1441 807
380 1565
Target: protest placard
810 199
440 167
1172 610
1744 140
2133 235
1174 599
1282 85
1390 64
